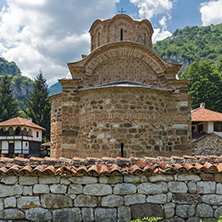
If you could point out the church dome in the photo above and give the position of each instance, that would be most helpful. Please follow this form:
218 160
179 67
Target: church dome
120 28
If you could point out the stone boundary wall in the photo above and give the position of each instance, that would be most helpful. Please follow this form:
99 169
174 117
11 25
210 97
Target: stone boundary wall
175 197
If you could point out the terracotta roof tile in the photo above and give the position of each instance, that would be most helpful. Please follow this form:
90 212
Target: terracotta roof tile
202 114
219 167
94 169
38 169
109 166
26 170
49 170
82 170
3 170
147 169
104 170
135 170
115 169
18 121
200 167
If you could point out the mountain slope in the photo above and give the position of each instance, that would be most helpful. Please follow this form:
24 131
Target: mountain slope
55 88
21 85
192 44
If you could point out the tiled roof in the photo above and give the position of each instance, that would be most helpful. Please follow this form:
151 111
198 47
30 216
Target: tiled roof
202 114
109 166
18 121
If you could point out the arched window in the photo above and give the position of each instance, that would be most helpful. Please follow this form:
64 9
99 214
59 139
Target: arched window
99 38
30 132
2 133
11 131
18 131
25 132
144 38
121 34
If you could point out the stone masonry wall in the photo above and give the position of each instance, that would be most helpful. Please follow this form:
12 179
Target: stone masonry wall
211 145
145 121
56 126
176 198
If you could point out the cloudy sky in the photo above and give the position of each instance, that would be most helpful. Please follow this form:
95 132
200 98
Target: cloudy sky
47 34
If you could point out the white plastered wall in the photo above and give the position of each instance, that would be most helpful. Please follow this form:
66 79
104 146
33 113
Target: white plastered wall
25 147
18 147
4 146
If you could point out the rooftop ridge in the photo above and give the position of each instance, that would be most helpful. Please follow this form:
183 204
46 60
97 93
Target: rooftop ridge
110 166
20 119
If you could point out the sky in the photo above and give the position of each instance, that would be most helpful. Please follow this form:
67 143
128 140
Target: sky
47 34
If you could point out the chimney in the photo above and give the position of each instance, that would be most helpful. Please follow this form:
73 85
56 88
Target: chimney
30 120
202 105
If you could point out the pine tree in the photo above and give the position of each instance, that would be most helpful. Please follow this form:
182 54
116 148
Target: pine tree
8 104
39 107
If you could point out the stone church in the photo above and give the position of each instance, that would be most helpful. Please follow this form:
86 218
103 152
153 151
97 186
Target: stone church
123 99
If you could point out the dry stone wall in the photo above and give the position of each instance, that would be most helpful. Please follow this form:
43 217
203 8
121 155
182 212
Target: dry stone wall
56 126
211 145
179 197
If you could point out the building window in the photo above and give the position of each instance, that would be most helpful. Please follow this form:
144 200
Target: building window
144 38
200 128
218 126
121 34
18 131
98 39
26 144
37 134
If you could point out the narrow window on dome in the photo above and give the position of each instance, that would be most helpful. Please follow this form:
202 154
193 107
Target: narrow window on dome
121 34
98 39
144 36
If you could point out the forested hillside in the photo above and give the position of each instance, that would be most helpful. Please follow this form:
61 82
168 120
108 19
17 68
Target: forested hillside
192 44
21 85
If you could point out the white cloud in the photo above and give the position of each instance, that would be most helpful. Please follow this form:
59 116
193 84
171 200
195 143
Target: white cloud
46 34
211 12
150 8
160 35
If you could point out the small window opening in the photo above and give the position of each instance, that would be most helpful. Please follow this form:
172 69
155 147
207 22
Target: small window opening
121 34
122 145
37 134
99 39
144 36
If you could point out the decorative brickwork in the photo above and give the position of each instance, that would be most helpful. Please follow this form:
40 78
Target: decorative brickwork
123 100
120 28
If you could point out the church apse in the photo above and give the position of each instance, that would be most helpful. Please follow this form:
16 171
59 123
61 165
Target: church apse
123 98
